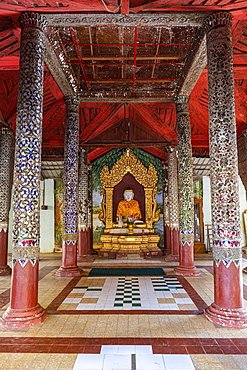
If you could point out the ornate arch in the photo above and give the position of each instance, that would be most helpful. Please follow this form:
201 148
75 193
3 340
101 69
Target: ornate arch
146 177
129 163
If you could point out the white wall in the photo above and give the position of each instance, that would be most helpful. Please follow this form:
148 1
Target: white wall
206 205
47 239
243 207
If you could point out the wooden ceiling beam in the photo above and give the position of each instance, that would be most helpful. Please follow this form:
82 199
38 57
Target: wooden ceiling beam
49 114
122 81
166 6
67 6
125 6
50 83
102 120
94 58
56 119
154 120
96 153
116 115
161 154
240 107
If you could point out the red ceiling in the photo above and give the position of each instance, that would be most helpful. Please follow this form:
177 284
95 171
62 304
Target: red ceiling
150 125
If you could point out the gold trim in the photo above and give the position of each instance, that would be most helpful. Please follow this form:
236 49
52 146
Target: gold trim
146 177
129 163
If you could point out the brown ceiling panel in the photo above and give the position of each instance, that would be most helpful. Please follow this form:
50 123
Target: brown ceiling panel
140 61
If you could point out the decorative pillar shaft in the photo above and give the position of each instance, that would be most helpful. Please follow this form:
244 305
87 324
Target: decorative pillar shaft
173 205
167 248
6 179
227 309
83 205
90 208
24 310
70 214
186 197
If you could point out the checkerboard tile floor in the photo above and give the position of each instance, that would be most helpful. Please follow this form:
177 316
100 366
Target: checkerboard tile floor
161 293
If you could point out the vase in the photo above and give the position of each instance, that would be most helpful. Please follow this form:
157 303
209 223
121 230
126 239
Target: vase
130 229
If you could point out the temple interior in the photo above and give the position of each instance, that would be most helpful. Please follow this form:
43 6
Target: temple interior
123 177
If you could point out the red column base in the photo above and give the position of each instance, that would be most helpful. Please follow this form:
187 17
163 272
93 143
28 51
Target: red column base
231 318
187 271
5 270
172 258
85 258
20 319
68 271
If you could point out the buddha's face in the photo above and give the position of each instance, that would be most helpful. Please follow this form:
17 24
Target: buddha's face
128 195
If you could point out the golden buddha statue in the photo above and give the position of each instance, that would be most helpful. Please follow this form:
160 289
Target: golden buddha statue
128 207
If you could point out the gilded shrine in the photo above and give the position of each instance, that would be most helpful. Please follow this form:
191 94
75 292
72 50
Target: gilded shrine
135 238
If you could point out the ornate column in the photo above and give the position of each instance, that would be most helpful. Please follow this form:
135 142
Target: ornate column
83 205
90 209
167 248
227 309
186 197
6 180
173 205
24 310
70 214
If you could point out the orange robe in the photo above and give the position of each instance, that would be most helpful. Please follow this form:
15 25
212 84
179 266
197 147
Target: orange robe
128 208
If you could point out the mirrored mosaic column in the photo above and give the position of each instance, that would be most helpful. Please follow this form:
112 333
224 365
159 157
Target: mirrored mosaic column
167 248
6 180
186 197
83 189
173 205
90 209
70 210
24 310
227 309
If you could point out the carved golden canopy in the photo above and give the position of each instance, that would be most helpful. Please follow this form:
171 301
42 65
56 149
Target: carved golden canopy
129 163
146 177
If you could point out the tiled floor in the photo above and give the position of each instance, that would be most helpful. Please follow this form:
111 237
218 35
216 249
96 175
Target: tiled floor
132 357
119 323
120 293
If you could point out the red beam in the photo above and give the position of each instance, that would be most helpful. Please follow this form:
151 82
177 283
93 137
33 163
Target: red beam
125 6
9 62
130 44
125 64
129 80
134 62
74 37
157 153
97 153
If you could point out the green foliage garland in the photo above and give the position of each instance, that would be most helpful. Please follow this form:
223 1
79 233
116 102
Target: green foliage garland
113 156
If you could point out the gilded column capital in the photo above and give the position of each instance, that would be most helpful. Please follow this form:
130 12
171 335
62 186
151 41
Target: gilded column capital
6 131
164 166
72 103
171 149
31 19
217 19
182 99
182 104
82 149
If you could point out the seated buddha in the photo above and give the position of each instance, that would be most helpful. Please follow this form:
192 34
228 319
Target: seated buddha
128 207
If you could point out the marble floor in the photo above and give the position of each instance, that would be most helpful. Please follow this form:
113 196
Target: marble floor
124 322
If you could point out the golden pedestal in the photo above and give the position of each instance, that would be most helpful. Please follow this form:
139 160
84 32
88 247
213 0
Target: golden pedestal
124 245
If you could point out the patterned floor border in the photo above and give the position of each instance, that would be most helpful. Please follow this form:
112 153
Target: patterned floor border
53 307
94 345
